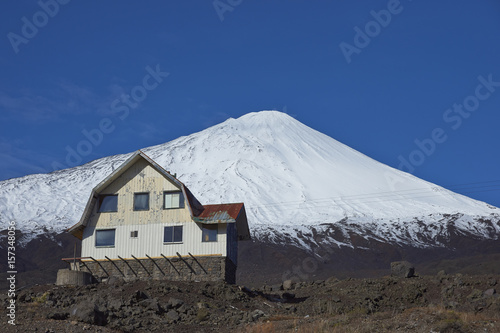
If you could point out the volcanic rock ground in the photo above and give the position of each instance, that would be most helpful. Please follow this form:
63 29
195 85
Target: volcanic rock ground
439 303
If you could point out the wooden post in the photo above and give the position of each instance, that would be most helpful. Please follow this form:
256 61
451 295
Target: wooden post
154 262
107 274
125 261
188 265
198 263
140 263
170 263
116 266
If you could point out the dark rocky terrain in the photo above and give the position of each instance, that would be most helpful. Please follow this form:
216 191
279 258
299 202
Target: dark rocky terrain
266 263
440 303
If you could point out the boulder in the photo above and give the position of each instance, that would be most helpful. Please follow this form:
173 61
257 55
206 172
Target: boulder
287 284
173 315
88 312
490 292
402 269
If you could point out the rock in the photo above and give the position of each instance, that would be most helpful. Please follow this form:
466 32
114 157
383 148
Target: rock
173 315
331 280
256 314
115 280
58 315
336 299
441 273
140 295
276 287
115 304
490 292
402 269
174 303
287 284
202 314
475 295
88 312
151 305
202 305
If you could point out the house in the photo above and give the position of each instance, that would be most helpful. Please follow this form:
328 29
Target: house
141 222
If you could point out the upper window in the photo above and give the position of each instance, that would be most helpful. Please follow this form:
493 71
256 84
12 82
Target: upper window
141 201
173 200
172 234
108 203
105 237
209 233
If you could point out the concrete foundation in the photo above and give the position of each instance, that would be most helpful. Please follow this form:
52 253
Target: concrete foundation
74 278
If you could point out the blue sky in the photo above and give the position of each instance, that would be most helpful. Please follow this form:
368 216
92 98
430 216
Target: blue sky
413 84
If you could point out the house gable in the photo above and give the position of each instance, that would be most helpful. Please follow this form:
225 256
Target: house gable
140 170
139 177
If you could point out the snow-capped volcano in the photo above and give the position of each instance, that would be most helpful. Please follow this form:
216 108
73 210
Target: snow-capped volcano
294 181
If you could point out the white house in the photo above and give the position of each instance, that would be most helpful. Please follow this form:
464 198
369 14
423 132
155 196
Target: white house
142 222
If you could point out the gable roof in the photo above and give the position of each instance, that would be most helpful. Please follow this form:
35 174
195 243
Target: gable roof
194 206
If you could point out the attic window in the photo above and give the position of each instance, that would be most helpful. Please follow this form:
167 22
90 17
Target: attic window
105 238
134 234
141 201
173 199
108 203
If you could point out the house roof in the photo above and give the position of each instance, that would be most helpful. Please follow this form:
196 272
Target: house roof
210 214
221 213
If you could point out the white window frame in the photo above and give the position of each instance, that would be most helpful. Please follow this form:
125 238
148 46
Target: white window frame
169 201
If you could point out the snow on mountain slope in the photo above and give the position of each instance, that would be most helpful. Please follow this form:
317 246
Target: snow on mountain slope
291 178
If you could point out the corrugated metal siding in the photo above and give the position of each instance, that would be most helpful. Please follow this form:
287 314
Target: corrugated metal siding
141 177
150 242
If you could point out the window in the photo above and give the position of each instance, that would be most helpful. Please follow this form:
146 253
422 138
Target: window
105 237
141 201
209 233
134 234
172 234
108 203
173 200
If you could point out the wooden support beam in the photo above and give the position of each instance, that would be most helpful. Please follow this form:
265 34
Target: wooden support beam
140 263
114 264
100 265
154 262
197 262
168 260
125 261
188 265
87 267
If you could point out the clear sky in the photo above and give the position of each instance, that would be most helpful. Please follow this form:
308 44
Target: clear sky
413 84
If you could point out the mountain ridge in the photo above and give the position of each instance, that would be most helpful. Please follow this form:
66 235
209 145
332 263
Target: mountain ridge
293 179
